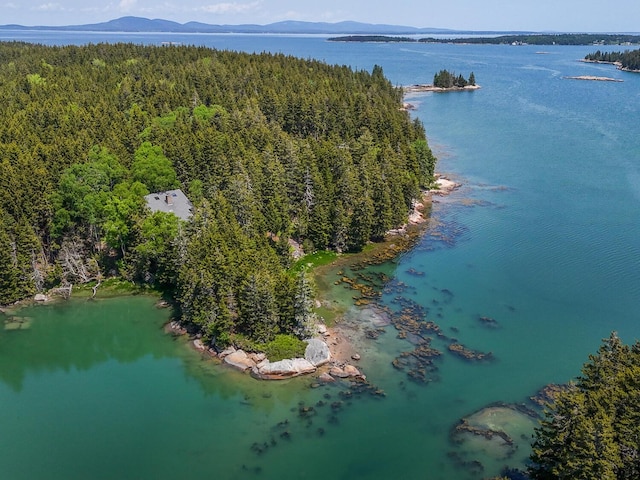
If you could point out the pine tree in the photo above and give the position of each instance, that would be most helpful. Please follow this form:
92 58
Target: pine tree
10 288
591 430
303 306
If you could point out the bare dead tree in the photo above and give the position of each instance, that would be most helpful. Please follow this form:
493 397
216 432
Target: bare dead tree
77 265
36 275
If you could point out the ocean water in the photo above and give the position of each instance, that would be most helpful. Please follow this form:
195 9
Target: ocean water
542 237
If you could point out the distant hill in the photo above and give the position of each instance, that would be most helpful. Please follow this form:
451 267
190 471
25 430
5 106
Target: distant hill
139 24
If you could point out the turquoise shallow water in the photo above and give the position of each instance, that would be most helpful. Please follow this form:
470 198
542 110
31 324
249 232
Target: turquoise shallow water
542 237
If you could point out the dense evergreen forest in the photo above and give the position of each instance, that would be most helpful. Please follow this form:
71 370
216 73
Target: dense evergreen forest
546 39
447 79
267 147
628 60
592 430
529 39
372 38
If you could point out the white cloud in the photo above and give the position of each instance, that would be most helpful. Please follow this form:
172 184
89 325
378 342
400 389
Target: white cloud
326 16
49 7
228 7
126 5
292 15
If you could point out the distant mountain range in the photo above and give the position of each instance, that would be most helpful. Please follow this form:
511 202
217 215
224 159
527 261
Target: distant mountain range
139 24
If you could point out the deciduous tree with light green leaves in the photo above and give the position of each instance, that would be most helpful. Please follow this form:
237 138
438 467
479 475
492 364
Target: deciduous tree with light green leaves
153 169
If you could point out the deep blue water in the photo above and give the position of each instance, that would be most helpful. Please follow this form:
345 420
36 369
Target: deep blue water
542 236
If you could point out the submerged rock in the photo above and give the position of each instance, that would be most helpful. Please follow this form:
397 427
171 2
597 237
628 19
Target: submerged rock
496 431
17 323
548 393
419 363
469 354
326 378
488 322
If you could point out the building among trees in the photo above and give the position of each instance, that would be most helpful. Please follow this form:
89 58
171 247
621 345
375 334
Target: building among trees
171 201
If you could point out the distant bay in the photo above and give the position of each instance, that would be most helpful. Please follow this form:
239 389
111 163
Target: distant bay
541 238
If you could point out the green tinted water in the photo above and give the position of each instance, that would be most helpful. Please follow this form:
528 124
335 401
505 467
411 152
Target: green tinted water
98 390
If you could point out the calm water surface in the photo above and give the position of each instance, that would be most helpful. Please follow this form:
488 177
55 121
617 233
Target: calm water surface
542 237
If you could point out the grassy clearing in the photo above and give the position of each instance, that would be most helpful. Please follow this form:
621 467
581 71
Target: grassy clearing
111 287
314 260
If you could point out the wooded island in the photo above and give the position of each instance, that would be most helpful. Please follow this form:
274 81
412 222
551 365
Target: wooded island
266 151
516 39
628 60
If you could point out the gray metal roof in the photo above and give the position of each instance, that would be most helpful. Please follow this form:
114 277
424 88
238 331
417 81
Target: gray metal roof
171 201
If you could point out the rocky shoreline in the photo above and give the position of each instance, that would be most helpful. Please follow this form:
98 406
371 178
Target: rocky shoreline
326 354
331 353
594 78
420 88
618 65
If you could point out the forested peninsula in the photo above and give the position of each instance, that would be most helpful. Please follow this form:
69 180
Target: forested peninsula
629 60
269 150
518 39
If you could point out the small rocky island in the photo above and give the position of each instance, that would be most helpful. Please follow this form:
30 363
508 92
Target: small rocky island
445 81
594 78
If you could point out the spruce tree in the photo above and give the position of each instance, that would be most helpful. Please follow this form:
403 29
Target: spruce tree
591 430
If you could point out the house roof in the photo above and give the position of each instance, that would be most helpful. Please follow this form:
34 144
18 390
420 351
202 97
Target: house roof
171 201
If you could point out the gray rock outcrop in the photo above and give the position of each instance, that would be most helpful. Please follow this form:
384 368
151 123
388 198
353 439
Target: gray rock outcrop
286 368
317 352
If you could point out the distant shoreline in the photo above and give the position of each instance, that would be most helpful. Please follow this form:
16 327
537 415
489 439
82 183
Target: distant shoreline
517 39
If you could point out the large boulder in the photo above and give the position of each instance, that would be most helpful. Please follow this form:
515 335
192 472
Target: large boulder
240 360
317 352
286 368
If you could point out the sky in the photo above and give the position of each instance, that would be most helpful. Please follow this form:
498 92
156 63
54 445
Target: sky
500 15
